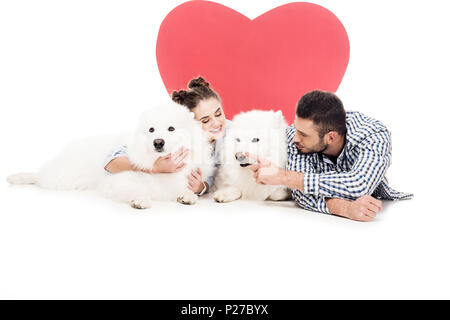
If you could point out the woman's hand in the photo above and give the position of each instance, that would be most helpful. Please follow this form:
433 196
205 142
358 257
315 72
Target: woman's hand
171 163
195 181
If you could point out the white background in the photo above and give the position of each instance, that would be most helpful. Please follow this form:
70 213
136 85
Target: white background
70 69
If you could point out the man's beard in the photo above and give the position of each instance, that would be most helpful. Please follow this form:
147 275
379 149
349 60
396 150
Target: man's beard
318 148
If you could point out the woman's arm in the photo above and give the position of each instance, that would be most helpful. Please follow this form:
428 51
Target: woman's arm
122 163
167 164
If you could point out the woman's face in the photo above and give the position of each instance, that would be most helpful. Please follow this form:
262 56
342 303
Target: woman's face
210 114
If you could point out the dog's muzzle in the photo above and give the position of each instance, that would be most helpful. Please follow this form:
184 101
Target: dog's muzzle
240 157
158 144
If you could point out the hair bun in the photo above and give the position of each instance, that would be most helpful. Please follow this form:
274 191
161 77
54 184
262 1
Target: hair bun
179 96
199 82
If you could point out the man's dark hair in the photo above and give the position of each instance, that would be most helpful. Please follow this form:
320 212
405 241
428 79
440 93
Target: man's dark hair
325 109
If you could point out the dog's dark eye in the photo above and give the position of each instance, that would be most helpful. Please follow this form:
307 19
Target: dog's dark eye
151 130
171 129
238 140
255 140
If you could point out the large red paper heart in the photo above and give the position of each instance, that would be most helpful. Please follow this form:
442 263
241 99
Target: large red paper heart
265 63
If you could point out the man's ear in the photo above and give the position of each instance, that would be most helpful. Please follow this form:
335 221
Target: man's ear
331 136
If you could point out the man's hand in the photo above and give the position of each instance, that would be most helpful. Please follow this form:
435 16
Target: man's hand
195 181
362 209
171 163
265 172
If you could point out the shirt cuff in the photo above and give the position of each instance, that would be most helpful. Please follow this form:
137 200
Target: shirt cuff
308 202
322 205
311 183
210 181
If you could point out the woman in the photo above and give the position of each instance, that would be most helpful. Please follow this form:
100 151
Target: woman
205 103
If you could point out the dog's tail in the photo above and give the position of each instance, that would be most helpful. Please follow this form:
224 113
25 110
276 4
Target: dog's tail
22 178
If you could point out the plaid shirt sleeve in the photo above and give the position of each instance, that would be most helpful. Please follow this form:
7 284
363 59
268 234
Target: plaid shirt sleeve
372 160
210 179
310 202
303 163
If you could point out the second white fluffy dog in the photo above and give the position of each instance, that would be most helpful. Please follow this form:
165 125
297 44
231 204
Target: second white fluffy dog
160 131
262 133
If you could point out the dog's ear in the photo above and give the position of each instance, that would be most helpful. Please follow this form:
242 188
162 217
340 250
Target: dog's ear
280 118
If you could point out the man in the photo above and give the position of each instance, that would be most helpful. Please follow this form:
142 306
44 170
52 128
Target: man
337 161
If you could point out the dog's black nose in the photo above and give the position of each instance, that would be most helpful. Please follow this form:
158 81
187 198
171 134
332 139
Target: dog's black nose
240 156
158 143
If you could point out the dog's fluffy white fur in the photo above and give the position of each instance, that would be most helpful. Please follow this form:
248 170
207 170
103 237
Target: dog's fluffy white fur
262 133
80 165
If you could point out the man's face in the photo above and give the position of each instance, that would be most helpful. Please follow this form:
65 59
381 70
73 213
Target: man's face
307 139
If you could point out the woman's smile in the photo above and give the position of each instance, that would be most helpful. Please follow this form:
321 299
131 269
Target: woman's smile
216 130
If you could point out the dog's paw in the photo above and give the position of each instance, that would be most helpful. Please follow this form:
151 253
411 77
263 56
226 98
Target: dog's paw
22 178
141 203
227 195
187 197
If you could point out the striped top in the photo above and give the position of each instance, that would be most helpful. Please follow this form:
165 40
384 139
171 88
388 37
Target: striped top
359 170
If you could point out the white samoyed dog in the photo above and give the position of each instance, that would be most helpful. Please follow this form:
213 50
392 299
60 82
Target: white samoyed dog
262 133
161 130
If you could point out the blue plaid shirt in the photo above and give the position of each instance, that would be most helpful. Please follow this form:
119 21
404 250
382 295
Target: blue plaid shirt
359 170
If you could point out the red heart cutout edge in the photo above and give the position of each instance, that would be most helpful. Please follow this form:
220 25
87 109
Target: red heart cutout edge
265 63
